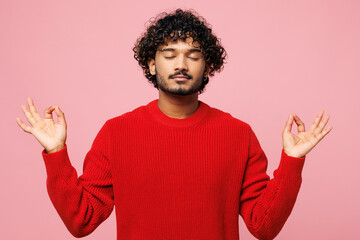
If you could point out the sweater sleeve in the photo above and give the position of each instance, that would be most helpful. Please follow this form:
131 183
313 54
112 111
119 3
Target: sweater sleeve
84 202
266 204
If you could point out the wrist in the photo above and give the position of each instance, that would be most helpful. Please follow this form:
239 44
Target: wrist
294 155
56 149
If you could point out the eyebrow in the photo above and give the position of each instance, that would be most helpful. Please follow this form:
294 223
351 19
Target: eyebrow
173 50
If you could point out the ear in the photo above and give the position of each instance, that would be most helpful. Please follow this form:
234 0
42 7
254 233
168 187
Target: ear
151 64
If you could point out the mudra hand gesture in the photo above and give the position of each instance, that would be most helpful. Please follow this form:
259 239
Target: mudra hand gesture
298 146
51 135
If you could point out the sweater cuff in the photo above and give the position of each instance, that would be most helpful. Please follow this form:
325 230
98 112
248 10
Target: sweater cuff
57 161
290 166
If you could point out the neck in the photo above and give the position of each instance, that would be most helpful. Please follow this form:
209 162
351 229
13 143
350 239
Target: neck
176 106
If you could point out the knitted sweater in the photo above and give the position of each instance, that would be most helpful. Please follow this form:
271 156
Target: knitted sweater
172 179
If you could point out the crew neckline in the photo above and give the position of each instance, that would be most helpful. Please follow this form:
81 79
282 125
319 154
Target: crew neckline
161 117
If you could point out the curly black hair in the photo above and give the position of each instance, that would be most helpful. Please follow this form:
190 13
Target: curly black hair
180 25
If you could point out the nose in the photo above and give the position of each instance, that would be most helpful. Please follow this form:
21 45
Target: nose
181 64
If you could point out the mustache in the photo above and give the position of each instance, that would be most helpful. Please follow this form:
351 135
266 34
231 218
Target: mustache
179 73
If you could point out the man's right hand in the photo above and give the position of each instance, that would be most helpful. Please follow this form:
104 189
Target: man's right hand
51 135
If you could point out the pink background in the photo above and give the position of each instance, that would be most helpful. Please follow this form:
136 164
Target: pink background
284 57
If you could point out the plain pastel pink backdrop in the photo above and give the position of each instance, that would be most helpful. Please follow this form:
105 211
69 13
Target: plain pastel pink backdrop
284 57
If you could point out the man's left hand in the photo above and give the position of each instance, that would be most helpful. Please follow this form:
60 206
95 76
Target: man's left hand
298 146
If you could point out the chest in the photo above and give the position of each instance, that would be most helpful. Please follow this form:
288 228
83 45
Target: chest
144 158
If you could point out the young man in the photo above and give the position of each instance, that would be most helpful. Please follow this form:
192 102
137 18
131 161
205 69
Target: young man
175 168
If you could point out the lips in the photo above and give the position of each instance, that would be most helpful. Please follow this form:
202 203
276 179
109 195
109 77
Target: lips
180 77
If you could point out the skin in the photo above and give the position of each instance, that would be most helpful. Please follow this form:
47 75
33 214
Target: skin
176 100
50 135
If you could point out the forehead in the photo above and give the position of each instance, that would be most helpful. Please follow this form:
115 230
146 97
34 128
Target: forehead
179 44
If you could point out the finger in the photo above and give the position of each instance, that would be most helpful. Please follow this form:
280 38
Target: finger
316 121
32 108
300 124
322 124
48 112
23 126
288 124
28 115
60 115
323 133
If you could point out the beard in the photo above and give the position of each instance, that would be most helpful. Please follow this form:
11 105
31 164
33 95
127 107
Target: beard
180 90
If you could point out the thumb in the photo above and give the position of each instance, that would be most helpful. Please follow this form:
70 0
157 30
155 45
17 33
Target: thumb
60 115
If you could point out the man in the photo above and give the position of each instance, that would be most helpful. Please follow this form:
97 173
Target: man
175 168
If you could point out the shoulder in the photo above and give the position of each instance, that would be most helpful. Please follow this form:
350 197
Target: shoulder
126 117
219 114
228 119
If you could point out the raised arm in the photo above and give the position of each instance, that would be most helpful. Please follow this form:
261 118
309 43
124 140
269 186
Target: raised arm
82 202
266 204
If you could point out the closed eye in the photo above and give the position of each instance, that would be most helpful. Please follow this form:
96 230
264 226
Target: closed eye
189 57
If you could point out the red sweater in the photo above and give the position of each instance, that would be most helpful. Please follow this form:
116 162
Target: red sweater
174 179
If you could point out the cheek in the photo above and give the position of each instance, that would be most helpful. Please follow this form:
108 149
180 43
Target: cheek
201 69
161 67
